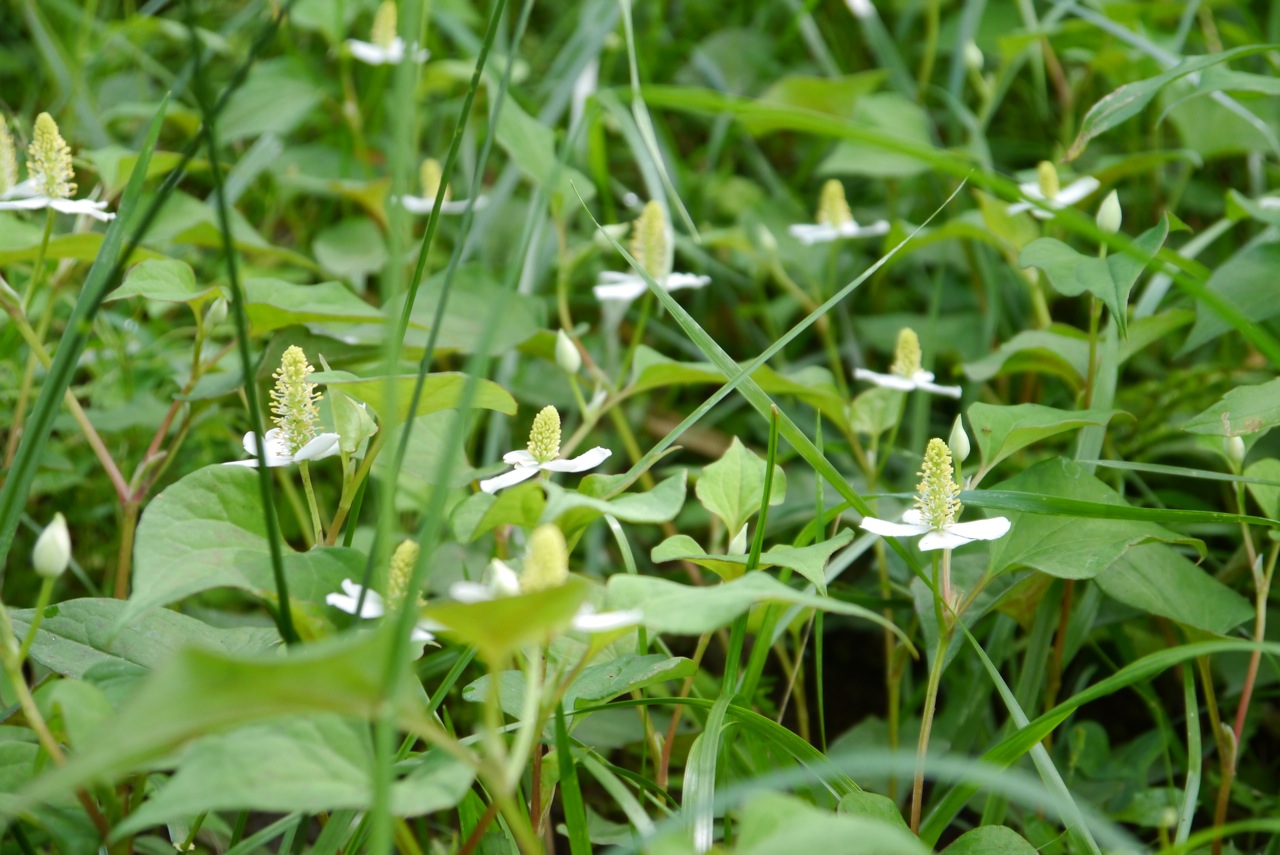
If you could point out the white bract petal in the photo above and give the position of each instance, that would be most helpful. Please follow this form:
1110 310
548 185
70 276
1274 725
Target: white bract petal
423 205
508 479
520 457
588 620
372 54
884 528
323 445
922 380
989 529
811 233
66 206
373 607
587 460
625 287
1069 195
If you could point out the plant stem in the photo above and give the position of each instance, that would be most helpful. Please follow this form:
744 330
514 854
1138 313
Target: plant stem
42 602
664 765
926 725
124 560
311 501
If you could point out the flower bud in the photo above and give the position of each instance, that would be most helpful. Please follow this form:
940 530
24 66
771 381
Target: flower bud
738 545
1048 177
544 435
1109 214
546 564
216 313
1233 448
973 57
567 355
53 549
958 442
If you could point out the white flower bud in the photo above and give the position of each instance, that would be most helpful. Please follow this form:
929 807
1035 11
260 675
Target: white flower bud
1233 448
567 355
973 57
958 442
53 549
1109 214
216 313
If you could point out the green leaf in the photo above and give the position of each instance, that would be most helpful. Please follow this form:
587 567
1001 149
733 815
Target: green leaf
1266 495
273 303
836 96
597 683
812 384
1109 279
500 626
464 323
351 420
732 488
876 410
778 824
531 146
1068 547
167 281
690 610
1130 99
808 561
574 510
1248 280
1001 430
480 513
895 116
210 525
990 840
1243 410
77 635
440 391
1159 580
24 245
314 764
871 806
352 249
199 692
1060 350
278 94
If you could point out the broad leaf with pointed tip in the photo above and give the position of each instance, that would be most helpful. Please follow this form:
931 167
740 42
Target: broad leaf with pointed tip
808 561
999 430
440 391
732 488
164 280
273 303
1243 410
1159 580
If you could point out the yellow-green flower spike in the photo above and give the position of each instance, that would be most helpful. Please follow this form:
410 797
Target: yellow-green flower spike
8 159
544 436
649 242
546 564
294 400
833 209
49 160
937 492
1048 177
384 25
906 358
401 570
431 176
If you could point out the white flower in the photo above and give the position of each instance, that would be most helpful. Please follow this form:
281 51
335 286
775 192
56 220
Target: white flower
937 507
543 455
374 607
50 184
1045 190
652 247
628 286
503 582
384 47
427 204
834 219
905 373
322 445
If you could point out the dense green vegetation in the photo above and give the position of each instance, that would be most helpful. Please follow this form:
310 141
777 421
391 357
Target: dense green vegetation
751 427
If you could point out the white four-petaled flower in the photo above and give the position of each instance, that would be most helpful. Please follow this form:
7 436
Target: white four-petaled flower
1047 193
834 219
542 455
322 445
374 607
906 374
652 247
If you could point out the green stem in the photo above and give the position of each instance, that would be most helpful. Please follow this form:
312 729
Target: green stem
311 501
530 720
37 271
926 725
42 602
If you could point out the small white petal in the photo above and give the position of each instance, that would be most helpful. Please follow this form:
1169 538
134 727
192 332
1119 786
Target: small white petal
914 517
1076 191
372 54
458 206
888 381
588 621
861 8
503 581
30 203
82 206
624 290
374 606
470 592
982 529
520 457
421 632
947 391
946 539
508 479
676 281
884 528
587 460
809 234
24 189
322 445
415 204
